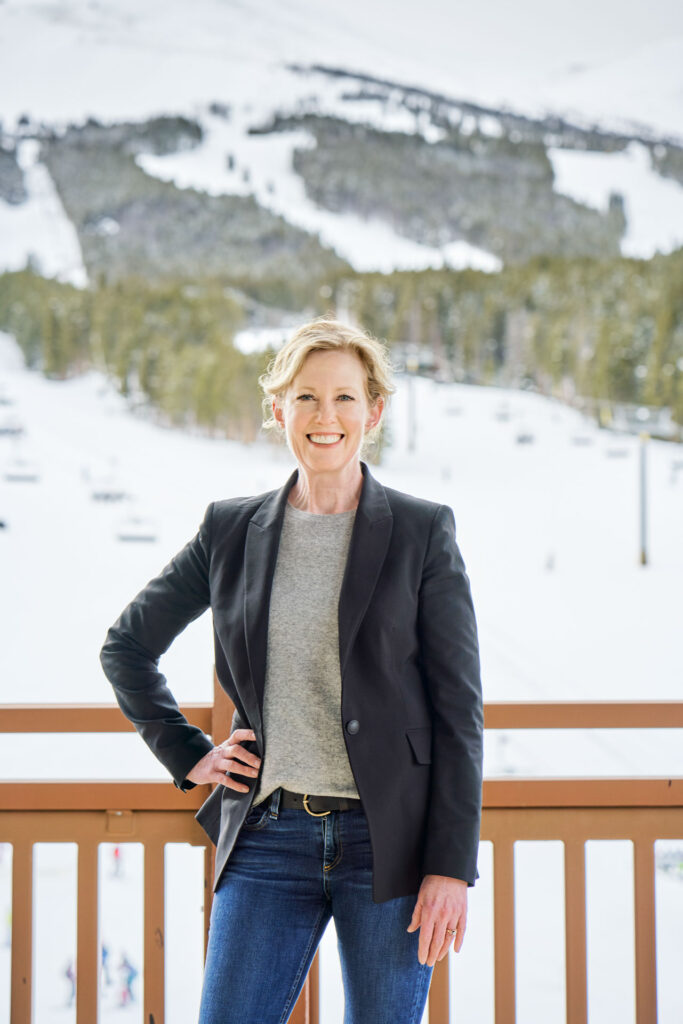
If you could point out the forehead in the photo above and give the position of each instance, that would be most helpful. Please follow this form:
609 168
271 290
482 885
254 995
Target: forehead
332 366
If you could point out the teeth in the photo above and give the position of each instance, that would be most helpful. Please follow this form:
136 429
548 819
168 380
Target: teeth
325 438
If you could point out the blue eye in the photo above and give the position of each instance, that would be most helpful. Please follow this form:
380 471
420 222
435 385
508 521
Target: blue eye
309 395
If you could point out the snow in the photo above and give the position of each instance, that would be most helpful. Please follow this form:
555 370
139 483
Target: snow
619 66
549 533
39 228
608 62
653 205
259 339
263 167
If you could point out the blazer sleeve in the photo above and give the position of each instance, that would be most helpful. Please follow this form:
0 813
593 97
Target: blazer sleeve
142 633
449 654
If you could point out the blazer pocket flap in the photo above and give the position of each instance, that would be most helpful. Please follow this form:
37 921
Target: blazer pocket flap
420 740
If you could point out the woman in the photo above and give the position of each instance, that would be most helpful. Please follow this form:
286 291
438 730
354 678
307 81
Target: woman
350 785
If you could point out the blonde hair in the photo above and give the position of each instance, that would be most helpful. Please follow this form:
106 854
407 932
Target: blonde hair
325 334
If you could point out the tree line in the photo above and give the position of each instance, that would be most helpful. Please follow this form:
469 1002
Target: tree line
600 330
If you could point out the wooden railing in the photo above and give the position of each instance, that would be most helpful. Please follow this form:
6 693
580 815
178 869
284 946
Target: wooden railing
154 813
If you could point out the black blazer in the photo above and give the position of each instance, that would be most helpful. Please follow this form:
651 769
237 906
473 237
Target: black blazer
411 705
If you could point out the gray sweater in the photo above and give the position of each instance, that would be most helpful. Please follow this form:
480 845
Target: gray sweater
303 738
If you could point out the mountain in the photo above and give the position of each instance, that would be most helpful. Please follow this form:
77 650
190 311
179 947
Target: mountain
610 62
342 136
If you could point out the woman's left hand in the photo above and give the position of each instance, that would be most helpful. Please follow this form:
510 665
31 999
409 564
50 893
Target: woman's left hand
441 904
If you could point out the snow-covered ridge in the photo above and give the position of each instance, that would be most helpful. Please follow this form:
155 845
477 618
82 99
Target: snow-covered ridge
610 63
264 59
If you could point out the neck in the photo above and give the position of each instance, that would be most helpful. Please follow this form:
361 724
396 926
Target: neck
327 493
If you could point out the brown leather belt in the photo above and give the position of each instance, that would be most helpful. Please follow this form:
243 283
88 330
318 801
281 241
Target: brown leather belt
318 806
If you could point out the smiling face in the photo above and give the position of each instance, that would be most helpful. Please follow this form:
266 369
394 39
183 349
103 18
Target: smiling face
325 411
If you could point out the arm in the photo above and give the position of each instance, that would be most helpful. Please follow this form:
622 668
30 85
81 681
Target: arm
450 666
143 632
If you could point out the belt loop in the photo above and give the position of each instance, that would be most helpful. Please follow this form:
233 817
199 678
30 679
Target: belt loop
275 802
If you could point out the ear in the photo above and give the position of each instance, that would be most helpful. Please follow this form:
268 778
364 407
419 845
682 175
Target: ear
278 414
375 413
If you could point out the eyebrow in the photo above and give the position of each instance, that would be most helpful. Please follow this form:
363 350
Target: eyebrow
342 387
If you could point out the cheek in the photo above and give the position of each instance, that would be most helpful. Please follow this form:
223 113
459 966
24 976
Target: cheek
295 417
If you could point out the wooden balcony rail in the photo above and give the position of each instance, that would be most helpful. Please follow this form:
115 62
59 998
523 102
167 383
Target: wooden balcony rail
573 811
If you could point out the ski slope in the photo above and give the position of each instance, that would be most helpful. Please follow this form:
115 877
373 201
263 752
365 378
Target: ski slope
619 67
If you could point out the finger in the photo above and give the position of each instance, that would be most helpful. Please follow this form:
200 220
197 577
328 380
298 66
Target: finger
460 927
415 919
235 750
241 736
225 780
436 946
227 764
456 939
448 940
425 944
442 938
460 934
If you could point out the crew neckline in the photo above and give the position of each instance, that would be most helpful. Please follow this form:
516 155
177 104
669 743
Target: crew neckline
319 515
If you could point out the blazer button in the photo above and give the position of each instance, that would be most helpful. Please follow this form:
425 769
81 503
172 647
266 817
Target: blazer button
353 726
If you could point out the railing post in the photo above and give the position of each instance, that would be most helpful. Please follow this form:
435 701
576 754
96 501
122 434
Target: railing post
22 928
306 1008
155 928
439 992
87 953
313 982
504 930
646 957
575 930
221 714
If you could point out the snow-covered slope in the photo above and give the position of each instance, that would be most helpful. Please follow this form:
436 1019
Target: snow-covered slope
609 61
266 162
39 229
653 205
620 66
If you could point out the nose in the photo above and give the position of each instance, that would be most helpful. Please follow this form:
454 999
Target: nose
327 412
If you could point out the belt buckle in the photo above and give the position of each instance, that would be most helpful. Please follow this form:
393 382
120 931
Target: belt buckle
314 814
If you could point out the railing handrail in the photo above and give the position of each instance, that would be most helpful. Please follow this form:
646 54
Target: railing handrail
532 714
98 795
592 714
108 794
85 717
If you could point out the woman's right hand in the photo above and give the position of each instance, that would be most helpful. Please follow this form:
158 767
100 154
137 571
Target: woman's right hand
222 759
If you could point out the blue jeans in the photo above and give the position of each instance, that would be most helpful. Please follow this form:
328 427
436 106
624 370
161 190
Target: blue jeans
288 874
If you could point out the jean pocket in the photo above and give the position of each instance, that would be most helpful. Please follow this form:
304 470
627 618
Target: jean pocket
257 817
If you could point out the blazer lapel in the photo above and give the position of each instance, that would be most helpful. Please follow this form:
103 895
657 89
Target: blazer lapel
260 556
367 550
